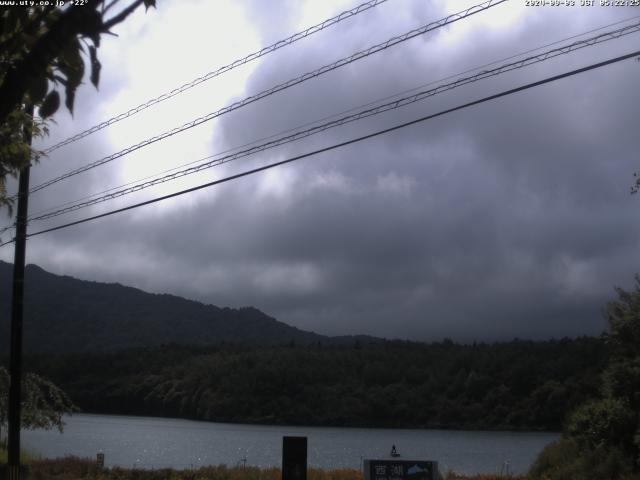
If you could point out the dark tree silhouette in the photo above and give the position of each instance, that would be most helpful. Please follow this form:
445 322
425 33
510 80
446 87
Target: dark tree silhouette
43 49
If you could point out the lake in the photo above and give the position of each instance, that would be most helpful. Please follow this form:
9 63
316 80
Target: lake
147 442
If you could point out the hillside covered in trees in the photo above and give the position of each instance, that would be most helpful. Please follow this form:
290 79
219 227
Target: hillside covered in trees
515 385
64 314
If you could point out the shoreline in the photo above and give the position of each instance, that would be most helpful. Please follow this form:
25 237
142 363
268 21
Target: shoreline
158 442
295 425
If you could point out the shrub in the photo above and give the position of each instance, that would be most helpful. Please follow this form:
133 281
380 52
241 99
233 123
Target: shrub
566 460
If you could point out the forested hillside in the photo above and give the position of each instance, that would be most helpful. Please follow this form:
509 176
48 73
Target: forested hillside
515 385
64 314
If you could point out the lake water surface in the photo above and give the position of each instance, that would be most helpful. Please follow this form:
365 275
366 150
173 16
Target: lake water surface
160 442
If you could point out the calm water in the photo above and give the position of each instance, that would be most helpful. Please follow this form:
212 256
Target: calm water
159 442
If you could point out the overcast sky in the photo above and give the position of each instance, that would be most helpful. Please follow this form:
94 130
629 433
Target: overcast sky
508 219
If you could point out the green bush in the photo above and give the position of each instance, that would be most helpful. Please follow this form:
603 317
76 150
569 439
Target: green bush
566 460
609 421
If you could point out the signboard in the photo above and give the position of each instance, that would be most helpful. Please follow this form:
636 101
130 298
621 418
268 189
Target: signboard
400 470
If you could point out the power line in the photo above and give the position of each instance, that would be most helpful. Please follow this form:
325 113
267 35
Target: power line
335 115
598 39
401 102
290 83
208 76
345 143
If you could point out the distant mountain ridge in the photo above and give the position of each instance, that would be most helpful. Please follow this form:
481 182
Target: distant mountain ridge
63 314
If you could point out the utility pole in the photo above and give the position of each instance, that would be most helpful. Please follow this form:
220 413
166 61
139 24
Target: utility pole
15 360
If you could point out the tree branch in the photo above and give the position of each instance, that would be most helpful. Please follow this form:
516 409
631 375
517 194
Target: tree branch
122 15
72 22
108 7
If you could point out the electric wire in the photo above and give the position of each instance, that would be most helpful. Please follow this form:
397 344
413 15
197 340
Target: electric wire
101 193
334 115
563 50
208 76
290 83
97 194
343 144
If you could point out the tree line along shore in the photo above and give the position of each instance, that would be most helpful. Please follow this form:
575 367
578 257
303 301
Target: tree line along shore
518 385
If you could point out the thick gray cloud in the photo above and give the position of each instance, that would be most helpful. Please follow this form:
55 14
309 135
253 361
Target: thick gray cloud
511 218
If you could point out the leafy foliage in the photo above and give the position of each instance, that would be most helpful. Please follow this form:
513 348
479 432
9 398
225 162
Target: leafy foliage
603 434
14 151
565 459
43 403
599 423
515 385
41 54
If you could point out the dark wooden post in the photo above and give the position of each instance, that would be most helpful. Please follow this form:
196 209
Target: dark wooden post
15 359
294 458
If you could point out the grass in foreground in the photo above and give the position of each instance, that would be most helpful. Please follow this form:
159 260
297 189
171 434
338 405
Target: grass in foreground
74 468
25 457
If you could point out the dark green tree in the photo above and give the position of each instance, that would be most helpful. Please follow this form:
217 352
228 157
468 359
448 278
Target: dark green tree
603 434
43 50
43 403
621 380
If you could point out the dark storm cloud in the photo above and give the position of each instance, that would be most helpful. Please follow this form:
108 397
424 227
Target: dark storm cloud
513 218
509 219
